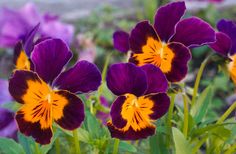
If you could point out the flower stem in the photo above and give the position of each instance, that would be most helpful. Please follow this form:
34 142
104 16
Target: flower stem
57 146
170 111
76 141
185 128
227 113
37 151
197 81
116 146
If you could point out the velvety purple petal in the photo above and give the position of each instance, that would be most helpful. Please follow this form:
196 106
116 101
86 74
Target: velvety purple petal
83 77
49 58
157 81
193 32
121 41
167 17
131 134
125 78
229 28
73 111
139 36
5 96
222 45
29 40
179 65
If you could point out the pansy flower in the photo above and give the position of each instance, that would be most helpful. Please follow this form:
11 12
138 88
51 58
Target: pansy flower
225 44
142 99
48 93
166 43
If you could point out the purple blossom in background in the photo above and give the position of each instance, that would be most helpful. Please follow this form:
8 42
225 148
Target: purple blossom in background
25 19
102 115
8 126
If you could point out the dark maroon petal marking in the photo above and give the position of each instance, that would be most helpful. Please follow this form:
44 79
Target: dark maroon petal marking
139 35
83 77
49 58
167 17
125 78
115 112
42 136
192 36
73 112
130 134
157 81
179 65
121 41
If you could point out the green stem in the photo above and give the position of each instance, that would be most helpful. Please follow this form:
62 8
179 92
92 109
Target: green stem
197 81
116 146
198 145
185 128
170 111
37 151
57 145
76 141
227 113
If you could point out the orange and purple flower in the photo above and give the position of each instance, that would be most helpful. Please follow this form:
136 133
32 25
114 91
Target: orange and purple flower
47 94
142 99
166 44
225 44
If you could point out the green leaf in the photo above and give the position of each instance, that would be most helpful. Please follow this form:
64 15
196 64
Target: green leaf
199 110
83 135
25 142
9 146
182 146
126 147
157 143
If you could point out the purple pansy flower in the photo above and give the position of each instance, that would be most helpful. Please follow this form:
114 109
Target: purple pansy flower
48 93
25 19
100 114
225 44
166 43
8 126
141 99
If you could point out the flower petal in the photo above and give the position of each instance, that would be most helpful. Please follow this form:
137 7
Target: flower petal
26 87
167 17
125 78
34 129
232 68
140 35
21 60
179 63
68 111
121 41
157 81
49 58
191 36
5 96
83 77
222 45
229 28
131 134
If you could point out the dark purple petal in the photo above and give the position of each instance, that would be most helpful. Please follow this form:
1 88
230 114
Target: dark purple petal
161 105
5 96
115 112
167 17
229 28
125 78
131 134
157 81
42 136
140 34
29 40
222 45
49 58
73 111
193 32
179 65
83 77
121 41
